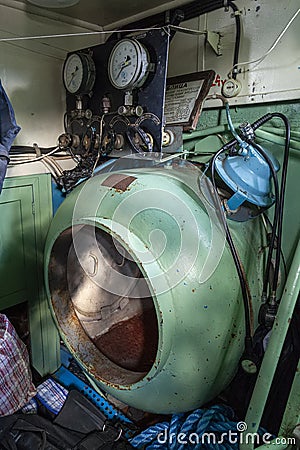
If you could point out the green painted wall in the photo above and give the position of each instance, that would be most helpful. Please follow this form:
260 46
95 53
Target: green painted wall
213 117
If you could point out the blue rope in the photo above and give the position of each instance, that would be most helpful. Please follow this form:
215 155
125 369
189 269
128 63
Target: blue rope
202 429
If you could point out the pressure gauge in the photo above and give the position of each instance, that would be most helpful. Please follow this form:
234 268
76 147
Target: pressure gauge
79 73
128 64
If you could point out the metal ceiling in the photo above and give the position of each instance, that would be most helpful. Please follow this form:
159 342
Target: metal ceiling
105 13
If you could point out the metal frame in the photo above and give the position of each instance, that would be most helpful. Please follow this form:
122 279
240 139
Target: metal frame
270 362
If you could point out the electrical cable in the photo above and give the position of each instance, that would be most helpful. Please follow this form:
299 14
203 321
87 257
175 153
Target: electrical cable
236 259
24 156
237 263
101 121
261 58
39 158
231 127
279 214
135 130
276 214
20 149
192 31
54 163
50 162
186 30
282 195
64 35
237 38
279 206
267 222
75 158
50 168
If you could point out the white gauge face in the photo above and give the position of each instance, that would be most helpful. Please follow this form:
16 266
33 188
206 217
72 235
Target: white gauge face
79 73
73 73
128 64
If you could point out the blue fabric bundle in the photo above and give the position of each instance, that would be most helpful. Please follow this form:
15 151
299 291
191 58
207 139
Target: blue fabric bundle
8 131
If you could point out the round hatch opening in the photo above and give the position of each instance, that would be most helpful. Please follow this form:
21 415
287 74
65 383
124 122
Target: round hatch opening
103 305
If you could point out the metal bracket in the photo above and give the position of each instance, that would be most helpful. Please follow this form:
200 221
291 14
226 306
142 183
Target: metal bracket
214 40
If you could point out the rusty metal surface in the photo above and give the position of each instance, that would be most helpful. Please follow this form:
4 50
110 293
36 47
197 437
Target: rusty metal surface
132 343
79 343
118 181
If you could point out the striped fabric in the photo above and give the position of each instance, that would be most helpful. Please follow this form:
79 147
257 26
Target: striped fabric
31 407
52 395
16 387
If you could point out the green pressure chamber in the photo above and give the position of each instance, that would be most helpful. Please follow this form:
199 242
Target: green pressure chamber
143 287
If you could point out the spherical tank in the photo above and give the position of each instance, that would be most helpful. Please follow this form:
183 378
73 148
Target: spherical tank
143 287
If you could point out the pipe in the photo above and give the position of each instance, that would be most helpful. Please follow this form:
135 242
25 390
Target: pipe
262 134
202 133
280 131
272 355
241 141
277 139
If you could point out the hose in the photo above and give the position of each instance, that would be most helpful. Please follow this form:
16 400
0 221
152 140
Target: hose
276 215
39 158
248 334
237 38
258 123
282 196
279 210
21 149
267 223
236 259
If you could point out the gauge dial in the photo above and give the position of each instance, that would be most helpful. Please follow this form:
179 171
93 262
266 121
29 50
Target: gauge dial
79 73
128 64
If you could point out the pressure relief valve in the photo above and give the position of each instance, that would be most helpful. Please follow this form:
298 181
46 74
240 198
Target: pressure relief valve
246 170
